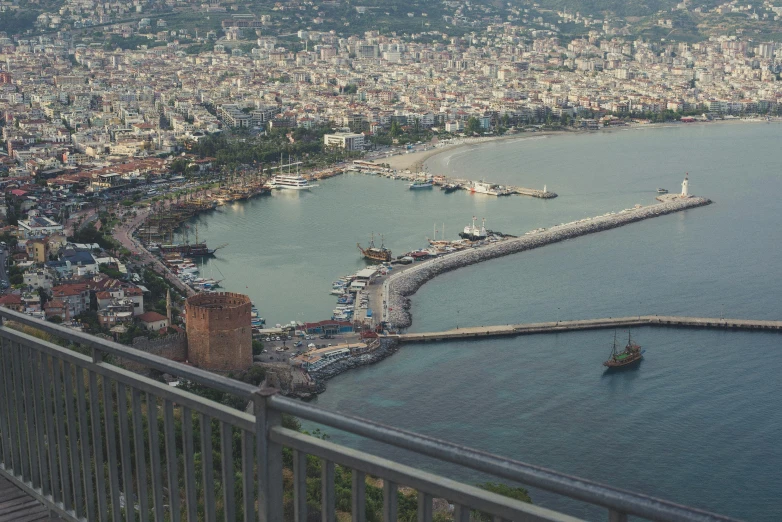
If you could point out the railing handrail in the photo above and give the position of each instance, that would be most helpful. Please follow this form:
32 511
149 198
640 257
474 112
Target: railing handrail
213 380
567 485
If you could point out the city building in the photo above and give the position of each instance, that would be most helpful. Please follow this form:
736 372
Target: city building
344 140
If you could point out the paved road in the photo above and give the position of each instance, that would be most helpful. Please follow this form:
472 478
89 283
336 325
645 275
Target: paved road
124 234
3 260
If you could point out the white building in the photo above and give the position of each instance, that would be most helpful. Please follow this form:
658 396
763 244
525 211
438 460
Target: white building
37 226
345 140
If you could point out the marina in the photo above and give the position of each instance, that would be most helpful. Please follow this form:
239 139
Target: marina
400 285
422 180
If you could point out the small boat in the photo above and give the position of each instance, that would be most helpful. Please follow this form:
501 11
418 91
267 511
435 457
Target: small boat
662 191
422 184
632 354
449 187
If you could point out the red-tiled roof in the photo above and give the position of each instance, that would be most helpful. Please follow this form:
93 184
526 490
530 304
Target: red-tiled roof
151 317
12 299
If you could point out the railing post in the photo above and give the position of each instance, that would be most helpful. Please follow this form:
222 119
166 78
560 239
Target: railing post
390 501
327 492
358 497
268 456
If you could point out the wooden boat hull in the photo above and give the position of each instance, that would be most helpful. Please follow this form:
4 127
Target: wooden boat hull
617 365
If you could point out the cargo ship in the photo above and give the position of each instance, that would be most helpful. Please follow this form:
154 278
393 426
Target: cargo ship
374 253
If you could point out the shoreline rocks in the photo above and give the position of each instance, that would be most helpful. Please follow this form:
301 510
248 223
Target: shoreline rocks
402 285
387 348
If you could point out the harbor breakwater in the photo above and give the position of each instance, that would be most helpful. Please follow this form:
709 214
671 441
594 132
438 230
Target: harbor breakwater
400 286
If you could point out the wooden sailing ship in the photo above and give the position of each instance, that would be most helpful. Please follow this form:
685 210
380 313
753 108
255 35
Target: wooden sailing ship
375 253
631 355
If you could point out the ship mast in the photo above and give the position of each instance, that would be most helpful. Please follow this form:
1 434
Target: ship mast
614 353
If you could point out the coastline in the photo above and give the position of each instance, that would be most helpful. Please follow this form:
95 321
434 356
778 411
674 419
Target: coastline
415 161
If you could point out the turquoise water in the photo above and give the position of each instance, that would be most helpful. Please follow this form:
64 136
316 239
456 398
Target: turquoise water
699 422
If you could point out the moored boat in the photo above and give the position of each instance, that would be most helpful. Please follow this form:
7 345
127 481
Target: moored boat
290 182
421 184
375 253
474 233
481 187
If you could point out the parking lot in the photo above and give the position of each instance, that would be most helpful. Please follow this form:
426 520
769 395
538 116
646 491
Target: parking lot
281 348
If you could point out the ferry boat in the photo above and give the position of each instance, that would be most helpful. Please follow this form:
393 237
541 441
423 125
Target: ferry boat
474 233
631 355
421 184
290 182
480 187
375 253
662 191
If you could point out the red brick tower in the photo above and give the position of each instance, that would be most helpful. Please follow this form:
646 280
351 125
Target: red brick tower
219 334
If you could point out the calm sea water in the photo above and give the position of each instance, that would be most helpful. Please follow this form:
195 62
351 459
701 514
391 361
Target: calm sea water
699 422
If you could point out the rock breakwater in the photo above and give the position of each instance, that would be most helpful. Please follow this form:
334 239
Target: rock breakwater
400 286
387 348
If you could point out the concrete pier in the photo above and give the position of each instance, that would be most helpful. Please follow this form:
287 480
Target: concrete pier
401 285
477 332
533 192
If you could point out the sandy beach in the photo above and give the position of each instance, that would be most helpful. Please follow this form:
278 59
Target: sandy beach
414 161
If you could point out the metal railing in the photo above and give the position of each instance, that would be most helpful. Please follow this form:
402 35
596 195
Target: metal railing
94 441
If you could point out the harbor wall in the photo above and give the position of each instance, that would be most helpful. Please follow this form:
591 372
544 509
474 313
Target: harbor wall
400 286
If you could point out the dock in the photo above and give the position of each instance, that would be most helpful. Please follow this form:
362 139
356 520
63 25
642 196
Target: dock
665 321
460 184
400 285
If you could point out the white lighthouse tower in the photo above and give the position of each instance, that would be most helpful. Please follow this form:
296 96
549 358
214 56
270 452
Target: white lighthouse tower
686 186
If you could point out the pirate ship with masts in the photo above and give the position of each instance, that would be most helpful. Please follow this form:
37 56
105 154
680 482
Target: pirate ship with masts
375 253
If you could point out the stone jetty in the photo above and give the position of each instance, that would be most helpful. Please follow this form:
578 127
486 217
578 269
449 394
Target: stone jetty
400 286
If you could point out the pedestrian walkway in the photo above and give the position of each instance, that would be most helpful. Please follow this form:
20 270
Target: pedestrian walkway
18 506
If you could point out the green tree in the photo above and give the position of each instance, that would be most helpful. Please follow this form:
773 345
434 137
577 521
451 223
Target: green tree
396 130
473 125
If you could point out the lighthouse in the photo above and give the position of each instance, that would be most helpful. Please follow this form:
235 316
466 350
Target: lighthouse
686 186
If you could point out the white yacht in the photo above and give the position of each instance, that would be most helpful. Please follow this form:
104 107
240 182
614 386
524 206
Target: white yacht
291 182
480 187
